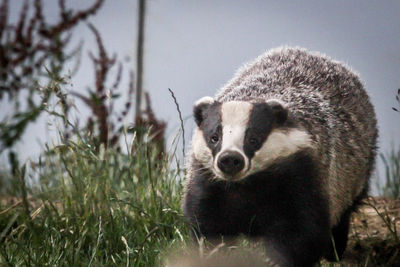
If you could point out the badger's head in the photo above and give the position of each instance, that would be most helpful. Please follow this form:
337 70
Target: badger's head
236 139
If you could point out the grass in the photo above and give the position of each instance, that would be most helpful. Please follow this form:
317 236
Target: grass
391 187
93 207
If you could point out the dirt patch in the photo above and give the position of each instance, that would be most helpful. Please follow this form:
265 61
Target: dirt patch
374 237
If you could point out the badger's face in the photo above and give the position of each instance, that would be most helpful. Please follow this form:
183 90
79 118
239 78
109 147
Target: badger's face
235 139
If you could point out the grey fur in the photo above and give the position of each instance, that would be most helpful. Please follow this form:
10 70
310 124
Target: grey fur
328 100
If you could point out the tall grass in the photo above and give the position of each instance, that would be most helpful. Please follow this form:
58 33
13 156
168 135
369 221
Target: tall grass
391 186
92 207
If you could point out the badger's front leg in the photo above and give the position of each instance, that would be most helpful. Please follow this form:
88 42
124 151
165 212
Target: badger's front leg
285 207
297 247
292 234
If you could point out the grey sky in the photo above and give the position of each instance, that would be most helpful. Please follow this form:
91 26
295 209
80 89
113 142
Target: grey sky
194 47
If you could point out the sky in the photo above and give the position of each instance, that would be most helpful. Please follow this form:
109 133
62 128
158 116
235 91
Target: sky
195 47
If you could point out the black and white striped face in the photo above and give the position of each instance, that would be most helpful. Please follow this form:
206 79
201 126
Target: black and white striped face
237 138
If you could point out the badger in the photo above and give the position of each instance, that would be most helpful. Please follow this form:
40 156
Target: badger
283 154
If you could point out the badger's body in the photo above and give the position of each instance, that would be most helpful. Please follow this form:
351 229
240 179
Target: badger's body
284 153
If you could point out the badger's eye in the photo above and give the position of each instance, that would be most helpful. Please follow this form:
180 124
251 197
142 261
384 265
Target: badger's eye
214 139
253 141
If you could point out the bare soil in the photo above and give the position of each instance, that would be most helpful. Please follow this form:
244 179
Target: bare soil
374 238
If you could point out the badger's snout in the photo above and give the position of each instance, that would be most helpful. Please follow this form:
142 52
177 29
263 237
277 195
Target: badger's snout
230 162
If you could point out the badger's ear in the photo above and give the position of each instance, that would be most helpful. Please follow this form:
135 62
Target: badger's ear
279 109
200 106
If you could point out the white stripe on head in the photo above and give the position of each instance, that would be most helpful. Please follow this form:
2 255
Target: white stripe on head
201 151
234 119
279 144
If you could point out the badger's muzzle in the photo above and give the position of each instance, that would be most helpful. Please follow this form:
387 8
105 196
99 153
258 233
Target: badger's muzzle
230 162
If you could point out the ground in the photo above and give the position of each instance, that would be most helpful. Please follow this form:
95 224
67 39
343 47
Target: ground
374 237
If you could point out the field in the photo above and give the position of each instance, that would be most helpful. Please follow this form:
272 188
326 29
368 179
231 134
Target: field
97 207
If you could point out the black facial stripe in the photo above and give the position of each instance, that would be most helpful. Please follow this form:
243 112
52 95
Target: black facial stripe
259 127
211 125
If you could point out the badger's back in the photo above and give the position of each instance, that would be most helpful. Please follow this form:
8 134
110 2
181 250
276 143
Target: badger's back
326 99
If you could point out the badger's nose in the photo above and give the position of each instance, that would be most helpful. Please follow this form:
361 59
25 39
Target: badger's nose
230 162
